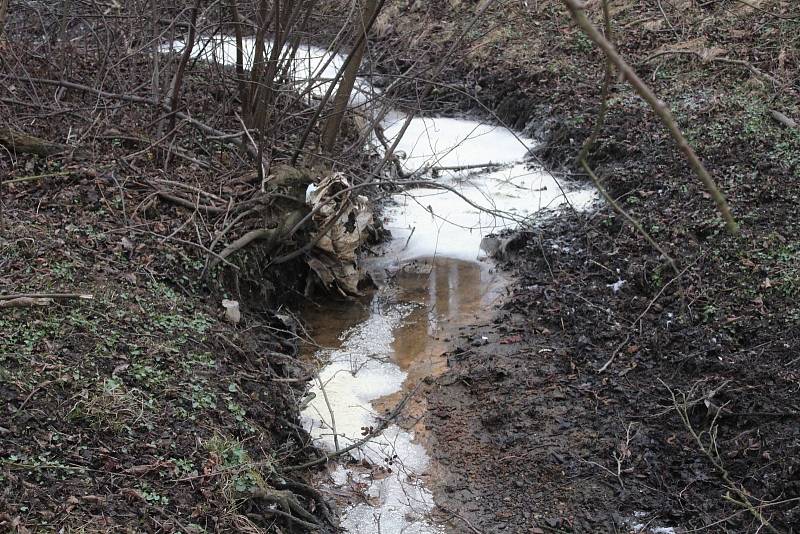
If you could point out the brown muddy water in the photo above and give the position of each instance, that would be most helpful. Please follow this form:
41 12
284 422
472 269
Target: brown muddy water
428 301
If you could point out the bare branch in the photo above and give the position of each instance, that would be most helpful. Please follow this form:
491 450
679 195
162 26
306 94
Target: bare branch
576 8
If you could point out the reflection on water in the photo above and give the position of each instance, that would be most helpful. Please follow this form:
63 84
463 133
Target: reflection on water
456 293
382 348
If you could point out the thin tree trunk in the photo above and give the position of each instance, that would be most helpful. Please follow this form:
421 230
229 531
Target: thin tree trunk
177 81
3 13
331 129
154 16
237 31
256 71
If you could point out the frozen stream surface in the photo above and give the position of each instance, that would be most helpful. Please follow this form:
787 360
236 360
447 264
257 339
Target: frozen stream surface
382 348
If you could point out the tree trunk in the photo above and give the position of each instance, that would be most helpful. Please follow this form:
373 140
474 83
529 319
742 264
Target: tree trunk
3 13
331 129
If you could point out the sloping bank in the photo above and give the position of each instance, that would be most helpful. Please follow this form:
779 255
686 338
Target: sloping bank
565 420
144 387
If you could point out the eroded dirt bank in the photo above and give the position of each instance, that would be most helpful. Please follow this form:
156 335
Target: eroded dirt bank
564 421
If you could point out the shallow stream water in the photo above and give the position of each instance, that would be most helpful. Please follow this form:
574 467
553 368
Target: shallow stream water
434 280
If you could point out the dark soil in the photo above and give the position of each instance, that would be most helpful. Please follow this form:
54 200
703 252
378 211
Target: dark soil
536 430
142 409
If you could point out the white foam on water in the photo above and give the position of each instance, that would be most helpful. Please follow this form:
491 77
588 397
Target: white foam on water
354 376
442 141
357 374
312 67
452 222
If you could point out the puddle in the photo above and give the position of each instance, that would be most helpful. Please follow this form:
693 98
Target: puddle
384 345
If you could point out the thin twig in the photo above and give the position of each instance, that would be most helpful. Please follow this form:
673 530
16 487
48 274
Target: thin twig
383 425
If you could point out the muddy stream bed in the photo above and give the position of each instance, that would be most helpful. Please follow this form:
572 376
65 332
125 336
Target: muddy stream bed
433 278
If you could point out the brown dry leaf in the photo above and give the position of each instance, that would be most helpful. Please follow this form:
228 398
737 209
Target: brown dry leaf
132 494
709 54
72 502
139 470
653 25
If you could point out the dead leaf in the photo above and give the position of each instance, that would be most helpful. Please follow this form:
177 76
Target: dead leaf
139 470
132 494
232 312
511 339
709 54
72 502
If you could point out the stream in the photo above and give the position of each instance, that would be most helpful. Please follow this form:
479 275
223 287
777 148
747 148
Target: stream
433 278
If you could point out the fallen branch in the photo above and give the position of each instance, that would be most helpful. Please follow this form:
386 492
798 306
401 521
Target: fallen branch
190 188
783 119
85 296
21 142
24 302
188 203
37 177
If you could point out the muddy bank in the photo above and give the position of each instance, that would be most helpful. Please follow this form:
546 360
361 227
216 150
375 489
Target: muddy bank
535 437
